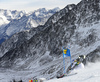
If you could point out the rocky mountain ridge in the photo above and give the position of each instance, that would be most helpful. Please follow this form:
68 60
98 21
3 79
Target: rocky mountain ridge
16 21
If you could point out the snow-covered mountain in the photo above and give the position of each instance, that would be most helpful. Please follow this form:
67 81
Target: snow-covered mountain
12 22
38 53
6 16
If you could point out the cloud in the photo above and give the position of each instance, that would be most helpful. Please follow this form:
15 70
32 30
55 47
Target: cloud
13 4
30 5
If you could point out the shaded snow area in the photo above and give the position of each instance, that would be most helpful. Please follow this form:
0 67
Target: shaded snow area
81 36
91 73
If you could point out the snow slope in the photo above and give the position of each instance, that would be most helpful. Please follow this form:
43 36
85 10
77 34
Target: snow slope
91 73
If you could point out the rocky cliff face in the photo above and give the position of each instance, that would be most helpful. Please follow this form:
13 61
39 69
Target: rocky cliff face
75 25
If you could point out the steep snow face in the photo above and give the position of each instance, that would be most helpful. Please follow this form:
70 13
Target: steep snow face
41 48
17 26
12 22
3 20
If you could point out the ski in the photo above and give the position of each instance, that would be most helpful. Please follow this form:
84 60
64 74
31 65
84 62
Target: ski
64 75
71 74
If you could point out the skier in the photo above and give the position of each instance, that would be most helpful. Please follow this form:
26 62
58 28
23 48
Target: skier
77 64
73 65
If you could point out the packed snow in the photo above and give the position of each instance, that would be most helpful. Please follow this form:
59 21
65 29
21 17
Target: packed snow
3 20
91 73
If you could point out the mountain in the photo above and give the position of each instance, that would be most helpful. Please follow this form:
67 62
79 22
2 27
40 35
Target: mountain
6 16
38 53
41 15
16 21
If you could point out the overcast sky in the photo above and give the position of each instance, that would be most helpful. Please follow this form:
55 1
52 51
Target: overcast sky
30 5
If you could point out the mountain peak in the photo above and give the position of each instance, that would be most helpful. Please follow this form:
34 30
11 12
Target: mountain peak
70 6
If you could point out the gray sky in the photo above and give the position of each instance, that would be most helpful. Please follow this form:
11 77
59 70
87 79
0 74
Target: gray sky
31 5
